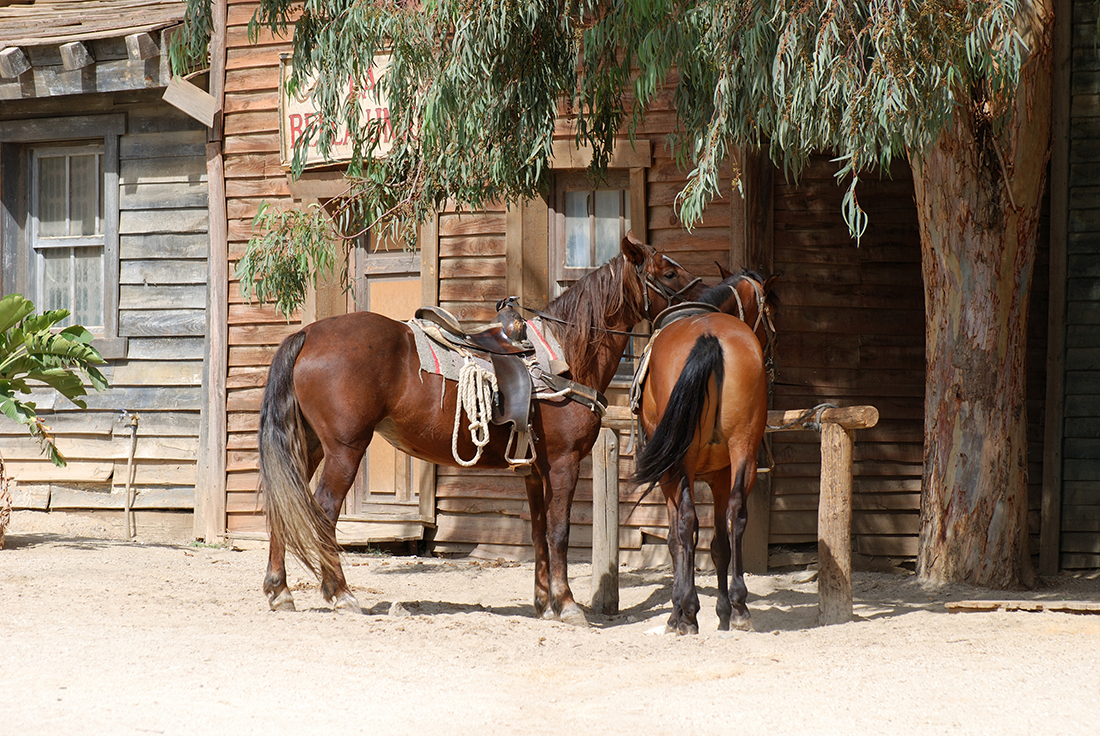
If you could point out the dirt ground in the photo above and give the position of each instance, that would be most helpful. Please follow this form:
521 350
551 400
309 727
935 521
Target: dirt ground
102 636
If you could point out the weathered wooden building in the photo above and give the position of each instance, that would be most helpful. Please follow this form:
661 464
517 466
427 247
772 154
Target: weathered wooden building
104 196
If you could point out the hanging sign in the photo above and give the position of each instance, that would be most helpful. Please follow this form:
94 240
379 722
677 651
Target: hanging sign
298 110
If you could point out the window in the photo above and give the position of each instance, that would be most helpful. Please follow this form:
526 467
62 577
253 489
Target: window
67 232
587 224
59 223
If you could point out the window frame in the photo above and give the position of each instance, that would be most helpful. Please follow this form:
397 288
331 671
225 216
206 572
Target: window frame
19 255
565 181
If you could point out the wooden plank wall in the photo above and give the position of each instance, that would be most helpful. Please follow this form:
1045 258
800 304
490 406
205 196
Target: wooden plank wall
1080 529
162 300
851 331
252 175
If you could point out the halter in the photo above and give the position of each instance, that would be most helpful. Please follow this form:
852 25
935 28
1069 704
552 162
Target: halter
660 288
762 316
647 282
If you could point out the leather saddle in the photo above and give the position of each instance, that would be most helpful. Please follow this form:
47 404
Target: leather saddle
504 340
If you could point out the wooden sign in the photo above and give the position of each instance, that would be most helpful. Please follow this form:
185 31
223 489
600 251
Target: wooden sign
297 111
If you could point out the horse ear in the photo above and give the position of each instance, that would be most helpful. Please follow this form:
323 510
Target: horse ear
769 283
725 272
634 249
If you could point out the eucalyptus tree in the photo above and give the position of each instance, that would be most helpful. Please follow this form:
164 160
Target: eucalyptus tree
960 89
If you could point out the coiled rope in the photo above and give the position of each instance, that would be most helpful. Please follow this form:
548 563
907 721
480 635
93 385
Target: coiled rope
476 386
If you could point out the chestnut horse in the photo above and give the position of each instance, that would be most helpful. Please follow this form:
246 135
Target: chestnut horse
705 406
338 382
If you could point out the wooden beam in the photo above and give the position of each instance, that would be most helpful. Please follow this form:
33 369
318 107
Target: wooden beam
605 523
192 101
1033 606
141 46
834 526
627 155
13 62
1051 501
75 55
210 522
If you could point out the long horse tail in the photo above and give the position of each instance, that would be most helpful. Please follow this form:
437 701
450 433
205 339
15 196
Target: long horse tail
670 442
293 515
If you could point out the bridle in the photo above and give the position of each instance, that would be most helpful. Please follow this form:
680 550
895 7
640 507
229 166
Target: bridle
762 316
648 282
669 295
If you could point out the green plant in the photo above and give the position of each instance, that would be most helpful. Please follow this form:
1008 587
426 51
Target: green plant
31 351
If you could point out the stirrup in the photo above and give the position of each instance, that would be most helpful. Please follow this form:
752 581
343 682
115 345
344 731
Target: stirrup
521 465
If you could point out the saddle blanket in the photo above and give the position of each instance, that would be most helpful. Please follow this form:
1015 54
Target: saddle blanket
445 360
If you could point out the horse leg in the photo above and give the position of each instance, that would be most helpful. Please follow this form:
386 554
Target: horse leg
279 597
720 546
341 465
737 516
278 593
560 489
683 536
535 502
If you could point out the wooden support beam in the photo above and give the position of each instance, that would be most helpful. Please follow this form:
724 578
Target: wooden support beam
75 55
13 62
834 526
605 523
141 46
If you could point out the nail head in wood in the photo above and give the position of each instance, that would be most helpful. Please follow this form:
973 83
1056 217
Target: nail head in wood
13 62
141 46
75 56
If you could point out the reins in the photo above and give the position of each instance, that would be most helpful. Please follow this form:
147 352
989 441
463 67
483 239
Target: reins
647 282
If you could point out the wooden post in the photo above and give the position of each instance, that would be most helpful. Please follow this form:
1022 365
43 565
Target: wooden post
605 523
834 526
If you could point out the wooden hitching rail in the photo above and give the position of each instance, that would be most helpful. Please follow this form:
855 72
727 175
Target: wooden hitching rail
834 510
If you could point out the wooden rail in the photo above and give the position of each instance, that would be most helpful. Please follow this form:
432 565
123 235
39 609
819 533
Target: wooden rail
834 510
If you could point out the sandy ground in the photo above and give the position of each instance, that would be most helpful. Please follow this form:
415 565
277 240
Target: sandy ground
101 636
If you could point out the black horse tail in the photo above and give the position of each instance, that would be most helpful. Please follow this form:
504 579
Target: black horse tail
293 515
670 442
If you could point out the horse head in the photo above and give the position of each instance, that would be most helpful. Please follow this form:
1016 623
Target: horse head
751 297
661 281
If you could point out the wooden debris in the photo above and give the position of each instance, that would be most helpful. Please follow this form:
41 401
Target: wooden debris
1023 605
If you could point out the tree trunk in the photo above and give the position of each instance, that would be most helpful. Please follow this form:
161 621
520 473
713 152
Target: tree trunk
978 200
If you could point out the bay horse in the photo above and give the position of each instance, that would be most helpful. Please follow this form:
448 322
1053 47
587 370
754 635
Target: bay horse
704 407
340 381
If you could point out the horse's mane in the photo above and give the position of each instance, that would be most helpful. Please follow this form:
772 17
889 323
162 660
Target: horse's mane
718 293
587 307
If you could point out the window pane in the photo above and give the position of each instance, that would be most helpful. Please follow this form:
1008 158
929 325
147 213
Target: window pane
626 211
608 235
84 194
56 277
51 197
578 231
88 276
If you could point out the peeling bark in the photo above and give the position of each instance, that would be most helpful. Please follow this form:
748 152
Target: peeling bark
978 199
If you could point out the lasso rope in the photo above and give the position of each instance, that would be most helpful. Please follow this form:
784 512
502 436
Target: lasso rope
475 394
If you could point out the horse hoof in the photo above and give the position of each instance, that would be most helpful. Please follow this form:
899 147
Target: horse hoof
740 624
687 628
282 602
574 616
346 603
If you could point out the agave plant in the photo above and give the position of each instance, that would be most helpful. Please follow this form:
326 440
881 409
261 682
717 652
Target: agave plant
31 351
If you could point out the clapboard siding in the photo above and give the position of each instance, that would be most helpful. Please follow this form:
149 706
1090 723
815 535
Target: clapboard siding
851 331
252 175
1080 535
163 250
